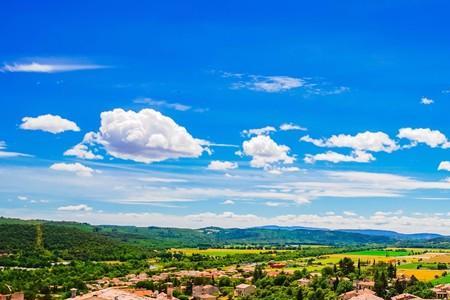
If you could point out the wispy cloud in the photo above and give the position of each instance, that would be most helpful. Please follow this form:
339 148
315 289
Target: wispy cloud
269 84
291 126
6 154
170 105
41 67
128 188
258 131
334 157
282 83
163 103
80 207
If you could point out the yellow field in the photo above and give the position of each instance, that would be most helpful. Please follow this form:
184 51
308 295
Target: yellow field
424 275
334 258
439 258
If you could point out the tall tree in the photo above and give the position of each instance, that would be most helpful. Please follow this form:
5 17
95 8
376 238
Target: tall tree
346 265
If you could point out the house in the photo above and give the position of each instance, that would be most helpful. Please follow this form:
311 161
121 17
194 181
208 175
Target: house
367 297
406 296
276 265
163 296
442 291
204 292
365 284
355 293
243 290
304 281
207 297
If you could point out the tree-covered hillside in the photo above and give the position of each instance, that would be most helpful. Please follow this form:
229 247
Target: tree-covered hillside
49 242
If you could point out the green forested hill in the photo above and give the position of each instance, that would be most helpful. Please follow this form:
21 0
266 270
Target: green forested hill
65 242
157 237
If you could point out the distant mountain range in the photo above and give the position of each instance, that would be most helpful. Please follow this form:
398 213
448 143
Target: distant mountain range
371 232
394 234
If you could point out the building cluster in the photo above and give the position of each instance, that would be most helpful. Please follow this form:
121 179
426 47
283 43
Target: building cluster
124 288
364 290
115 293
442 291
13 296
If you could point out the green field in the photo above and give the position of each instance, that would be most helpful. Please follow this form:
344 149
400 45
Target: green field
445 279
386 253
221 252
415 266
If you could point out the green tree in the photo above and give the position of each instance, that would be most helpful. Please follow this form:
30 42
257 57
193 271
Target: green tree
381 283
346 265
391 271
258 273
299 294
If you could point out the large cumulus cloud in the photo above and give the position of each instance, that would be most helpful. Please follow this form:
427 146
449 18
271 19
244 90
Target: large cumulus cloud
145 136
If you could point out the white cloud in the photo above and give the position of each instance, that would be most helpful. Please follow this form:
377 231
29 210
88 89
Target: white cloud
426 101
334 157
49 123
277 170
432 138
269 84
77 168
8 154
328 91
218 165
259 131
146 136
162 180
444 165
36 67
350 214
274 204
277 84
389 213
364 141
291 126
163 103
80 207
228 202
266 152
82 151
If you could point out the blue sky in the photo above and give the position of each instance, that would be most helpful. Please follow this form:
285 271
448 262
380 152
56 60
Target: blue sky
320 114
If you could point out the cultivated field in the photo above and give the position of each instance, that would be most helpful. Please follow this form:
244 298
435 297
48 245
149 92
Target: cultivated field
221 252
424 275
409 262
422 263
